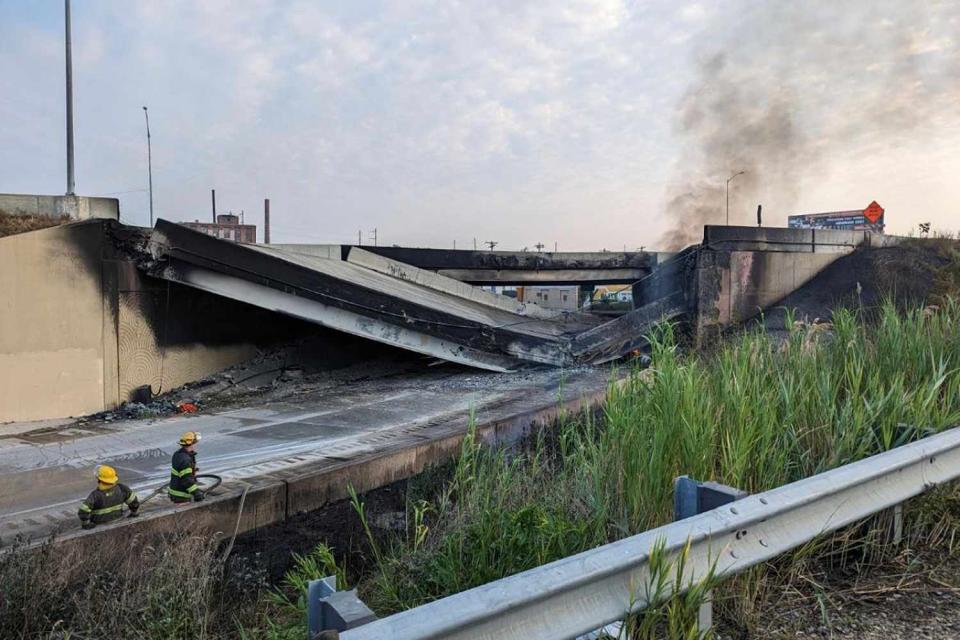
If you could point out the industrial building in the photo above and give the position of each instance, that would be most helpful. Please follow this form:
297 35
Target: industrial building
227 227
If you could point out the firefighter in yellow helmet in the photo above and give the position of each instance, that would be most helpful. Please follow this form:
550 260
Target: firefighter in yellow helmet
106 502
183 474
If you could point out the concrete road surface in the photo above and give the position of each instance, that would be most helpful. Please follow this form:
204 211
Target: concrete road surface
44 474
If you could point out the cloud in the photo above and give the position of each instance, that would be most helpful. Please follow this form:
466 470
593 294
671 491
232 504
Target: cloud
517 122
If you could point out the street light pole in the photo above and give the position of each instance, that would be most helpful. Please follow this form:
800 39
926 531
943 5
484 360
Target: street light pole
728 193
69 61
146 115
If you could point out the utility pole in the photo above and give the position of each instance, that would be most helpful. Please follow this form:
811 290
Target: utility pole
554 246
69 59
373 236
359 237
146 115
539 247
491 244
474 244
728 193
213 204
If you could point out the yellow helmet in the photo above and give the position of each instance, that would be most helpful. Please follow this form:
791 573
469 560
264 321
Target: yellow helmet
106 474
189 438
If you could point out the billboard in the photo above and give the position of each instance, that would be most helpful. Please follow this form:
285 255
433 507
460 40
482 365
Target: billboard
869 219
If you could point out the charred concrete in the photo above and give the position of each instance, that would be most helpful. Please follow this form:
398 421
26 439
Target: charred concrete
375 304
439 259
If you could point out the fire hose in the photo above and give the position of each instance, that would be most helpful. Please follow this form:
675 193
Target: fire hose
215 482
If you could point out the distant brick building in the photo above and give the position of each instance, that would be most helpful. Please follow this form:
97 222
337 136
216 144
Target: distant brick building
565 298
227 227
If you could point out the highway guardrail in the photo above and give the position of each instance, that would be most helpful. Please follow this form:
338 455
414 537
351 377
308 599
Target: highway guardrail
580 593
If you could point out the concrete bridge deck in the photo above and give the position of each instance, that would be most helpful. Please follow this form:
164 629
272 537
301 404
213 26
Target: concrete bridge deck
512 267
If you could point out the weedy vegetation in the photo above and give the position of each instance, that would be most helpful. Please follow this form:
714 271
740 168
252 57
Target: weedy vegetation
758 411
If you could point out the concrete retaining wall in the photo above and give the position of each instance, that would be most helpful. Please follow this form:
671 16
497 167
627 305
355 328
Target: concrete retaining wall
738 285
742 270
76 207
81 328
168 335
57 335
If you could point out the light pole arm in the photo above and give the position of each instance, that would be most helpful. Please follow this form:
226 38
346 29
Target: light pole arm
146 115
728 193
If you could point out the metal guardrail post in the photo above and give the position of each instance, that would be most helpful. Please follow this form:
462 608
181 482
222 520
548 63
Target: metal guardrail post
330 611
897 536
691 498
317 590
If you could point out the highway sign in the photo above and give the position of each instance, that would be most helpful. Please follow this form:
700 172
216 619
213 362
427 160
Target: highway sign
869 219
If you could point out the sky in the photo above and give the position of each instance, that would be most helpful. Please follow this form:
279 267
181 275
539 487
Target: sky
581 124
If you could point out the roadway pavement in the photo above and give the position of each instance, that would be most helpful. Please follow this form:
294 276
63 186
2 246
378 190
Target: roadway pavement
45 473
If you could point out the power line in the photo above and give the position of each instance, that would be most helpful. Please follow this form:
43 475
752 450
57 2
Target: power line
120 193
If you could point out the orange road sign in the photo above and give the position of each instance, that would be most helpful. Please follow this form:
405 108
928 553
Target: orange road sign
873 212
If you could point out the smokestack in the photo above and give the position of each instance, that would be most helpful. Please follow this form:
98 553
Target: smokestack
759 215
213 204
266 221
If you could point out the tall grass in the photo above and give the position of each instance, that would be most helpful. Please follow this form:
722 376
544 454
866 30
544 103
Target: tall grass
757 413
165 587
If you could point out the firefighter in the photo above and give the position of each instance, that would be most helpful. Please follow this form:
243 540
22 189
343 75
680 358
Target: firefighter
105 503
183 474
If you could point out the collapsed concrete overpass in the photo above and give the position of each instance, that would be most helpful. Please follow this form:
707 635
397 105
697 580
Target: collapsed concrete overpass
285 459
374 297
100 311
512 267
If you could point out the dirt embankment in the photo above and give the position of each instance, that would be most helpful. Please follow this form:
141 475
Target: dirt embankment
11 224
913 274
912 596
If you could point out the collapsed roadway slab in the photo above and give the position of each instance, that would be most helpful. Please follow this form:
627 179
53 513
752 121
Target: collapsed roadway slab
390 302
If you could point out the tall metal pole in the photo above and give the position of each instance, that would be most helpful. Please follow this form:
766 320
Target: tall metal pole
266 221
69 59
728 193
149 164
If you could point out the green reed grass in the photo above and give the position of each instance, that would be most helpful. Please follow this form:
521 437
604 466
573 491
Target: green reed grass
760 411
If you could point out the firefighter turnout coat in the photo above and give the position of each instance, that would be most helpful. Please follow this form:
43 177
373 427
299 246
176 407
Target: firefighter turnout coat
105 504
183 477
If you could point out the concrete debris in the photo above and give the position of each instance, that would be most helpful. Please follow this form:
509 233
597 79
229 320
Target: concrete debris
392 303
134 411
